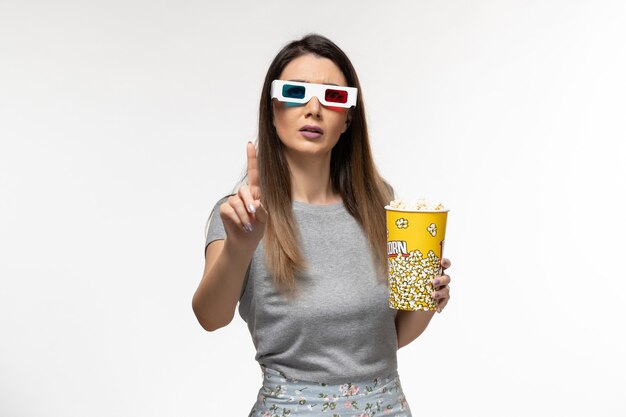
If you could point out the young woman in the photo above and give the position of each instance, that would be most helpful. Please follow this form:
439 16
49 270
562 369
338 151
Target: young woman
302 248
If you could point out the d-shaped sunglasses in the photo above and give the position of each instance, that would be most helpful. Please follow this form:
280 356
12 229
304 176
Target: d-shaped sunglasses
300 93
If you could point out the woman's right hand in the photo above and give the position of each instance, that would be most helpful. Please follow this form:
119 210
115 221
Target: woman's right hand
243 215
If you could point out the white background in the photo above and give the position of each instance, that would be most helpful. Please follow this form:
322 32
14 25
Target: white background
123 122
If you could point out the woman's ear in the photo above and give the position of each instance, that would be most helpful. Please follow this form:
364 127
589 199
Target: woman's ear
348 121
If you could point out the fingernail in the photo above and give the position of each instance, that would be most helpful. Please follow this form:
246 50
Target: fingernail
435 295
251 208
248 227
437 281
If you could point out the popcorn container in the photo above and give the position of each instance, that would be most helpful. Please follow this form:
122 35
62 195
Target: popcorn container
415 240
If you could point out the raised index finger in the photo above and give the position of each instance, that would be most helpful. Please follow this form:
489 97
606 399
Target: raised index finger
253 171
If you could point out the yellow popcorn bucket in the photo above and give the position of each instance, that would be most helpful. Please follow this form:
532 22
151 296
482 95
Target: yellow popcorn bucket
415 242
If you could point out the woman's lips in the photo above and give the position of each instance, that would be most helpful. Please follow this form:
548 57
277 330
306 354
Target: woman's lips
310 135
311 131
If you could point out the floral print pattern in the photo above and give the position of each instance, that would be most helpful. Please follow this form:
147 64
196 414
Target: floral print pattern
281 396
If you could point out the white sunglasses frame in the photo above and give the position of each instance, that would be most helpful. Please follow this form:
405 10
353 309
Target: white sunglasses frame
317 90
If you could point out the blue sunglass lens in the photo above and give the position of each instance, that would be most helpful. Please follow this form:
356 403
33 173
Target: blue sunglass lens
293 91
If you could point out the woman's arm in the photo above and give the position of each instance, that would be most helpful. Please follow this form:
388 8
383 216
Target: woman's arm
411 324
215 301
244 218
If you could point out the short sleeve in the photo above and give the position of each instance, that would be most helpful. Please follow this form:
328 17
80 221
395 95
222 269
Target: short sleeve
216 226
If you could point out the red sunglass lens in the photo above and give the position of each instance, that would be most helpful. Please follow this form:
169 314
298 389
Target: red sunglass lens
336 96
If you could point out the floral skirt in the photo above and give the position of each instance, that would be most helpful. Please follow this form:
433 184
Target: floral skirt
281 396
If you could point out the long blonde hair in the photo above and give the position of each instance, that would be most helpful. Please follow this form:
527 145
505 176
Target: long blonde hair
352 171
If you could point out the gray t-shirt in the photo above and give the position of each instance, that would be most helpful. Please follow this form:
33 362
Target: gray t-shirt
340 326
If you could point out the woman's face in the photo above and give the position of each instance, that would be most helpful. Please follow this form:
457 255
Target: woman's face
289 119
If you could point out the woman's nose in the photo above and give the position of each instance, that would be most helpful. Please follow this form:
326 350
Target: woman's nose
313 107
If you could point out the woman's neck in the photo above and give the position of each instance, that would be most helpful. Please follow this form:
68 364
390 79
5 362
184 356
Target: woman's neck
310 180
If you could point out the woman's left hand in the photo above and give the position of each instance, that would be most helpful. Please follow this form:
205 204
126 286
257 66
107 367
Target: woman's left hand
441 285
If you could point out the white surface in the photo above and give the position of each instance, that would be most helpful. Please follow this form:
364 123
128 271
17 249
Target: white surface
121 124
